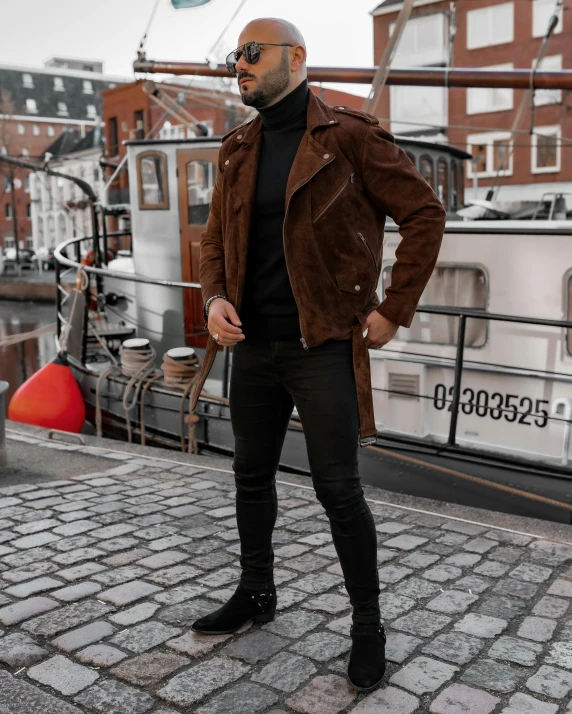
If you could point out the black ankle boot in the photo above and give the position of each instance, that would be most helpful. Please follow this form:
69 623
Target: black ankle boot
367 658
243 606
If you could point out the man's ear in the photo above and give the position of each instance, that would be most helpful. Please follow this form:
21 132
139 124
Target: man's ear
298 58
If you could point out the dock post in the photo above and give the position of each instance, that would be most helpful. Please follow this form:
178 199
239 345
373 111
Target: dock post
3 387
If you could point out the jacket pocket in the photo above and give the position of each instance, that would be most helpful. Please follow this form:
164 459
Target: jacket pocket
369 250
335 197
351 283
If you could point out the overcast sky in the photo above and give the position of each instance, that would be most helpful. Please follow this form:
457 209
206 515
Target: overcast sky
110 30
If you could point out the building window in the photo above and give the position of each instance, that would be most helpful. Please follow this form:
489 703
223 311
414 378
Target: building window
414 110
490 152
139 124
31 106
8 211
36 130
152 178
113 137
448 286
542 11
482 100
9 243
492 25
21 129
411 158
91 111
95 175
30 242
423 41
87 86
58 84
27 183
28 210
62 109
457 185
549 96
3 151
51 130
545 156
443 182
27 81
7 185
427 170
25 152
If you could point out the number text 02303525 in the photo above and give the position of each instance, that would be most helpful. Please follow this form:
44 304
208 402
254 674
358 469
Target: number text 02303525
511 407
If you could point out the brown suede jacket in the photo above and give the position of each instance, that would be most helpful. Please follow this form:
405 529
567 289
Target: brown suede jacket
347 176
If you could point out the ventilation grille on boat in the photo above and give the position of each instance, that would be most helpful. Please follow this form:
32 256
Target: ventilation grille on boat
407 386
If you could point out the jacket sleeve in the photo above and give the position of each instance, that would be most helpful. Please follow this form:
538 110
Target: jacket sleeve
211 253
395 186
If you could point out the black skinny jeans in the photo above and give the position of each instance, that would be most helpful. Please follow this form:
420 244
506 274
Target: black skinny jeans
267 380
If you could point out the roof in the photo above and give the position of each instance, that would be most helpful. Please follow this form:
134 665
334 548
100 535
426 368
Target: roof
388 6
58 93
70 141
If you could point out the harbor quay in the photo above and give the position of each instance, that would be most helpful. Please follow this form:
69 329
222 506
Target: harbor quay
109 552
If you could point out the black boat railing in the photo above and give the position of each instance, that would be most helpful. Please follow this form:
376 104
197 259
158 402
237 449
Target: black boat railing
462 313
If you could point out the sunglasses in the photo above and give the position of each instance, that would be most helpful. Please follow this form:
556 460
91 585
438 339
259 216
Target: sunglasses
251 53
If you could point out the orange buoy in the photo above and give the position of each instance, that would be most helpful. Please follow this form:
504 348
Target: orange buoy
50 398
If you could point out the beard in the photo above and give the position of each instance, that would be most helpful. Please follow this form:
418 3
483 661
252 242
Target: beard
270 85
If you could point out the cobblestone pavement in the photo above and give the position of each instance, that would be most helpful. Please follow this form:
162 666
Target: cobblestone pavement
102 574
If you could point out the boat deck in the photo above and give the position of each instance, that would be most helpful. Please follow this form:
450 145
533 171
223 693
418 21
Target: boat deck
109 552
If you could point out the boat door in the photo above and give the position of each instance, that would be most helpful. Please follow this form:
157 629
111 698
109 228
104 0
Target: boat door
196 170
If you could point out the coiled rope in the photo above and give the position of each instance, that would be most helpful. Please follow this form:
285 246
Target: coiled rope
182 374
139 366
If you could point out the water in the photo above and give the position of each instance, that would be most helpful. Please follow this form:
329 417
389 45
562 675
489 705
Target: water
18 362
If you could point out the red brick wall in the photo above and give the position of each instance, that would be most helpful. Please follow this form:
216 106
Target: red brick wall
521 52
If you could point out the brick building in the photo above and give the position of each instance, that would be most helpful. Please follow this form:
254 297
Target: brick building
492 34
36 106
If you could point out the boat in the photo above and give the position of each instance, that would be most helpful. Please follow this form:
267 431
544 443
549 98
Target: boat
473 403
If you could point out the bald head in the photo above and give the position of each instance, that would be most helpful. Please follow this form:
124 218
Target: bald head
272 29
281 66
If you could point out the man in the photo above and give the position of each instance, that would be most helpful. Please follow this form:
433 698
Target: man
289 265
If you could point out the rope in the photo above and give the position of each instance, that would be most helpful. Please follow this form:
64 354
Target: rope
180 374
23 336
138 365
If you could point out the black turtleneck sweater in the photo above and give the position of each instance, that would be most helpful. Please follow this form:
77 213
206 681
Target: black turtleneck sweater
268 310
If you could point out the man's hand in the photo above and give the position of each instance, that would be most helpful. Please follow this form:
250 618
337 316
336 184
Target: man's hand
380 330
224 322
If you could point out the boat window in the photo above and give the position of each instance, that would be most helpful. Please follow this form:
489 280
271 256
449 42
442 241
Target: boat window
152 173
443 182
426 169
569 312
448 286
411 158
200 183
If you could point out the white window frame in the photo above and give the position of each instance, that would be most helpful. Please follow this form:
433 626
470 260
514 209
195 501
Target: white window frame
59 84
63 109
482 96
36 130
543 97
489 138
8 211
540 17
21 129
433 25
31 106
87 86
51 130
478 41
91 114
555 130
27 81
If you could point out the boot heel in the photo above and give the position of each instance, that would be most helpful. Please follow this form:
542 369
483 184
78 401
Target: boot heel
264 617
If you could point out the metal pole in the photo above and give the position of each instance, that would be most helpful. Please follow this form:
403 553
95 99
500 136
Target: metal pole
58 298
3 387
457 385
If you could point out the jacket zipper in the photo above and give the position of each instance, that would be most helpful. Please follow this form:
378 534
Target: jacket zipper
302 339
334 198
364 241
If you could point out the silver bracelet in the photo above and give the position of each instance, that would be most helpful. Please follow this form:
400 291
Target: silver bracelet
208 302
